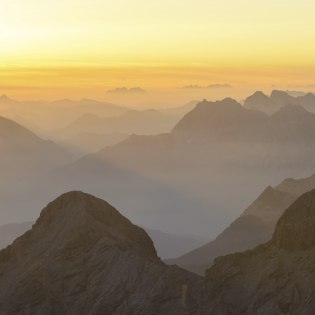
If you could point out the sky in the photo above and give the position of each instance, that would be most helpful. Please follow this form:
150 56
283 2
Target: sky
90 48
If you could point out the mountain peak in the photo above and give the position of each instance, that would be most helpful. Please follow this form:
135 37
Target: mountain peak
295 229
259 101
79 220
259 94
278 93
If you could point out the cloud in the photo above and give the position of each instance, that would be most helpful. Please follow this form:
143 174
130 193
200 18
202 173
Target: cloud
210 86
125 90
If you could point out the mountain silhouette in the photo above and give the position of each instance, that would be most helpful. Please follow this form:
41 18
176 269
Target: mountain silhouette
274 278
278 99
83 257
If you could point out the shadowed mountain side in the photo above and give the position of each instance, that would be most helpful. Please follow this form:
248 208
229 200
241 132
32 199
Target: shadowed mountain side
83 257
226 120
45 117
275 278
219 149
255 226
167 245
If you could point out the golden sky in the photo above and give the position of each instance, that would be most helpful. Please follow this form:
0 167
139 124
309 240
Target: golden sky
83 48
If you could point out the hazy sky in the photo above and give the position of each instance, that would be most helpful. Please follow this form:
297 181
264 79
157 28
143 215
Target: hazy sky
86 47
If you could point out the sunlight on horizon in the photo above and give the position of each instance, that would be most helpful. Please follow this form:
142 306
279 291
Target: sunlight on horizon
239 39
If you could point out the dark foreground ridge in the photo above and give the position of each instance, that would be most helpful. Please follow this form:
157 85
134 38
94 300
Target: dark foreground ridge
83 257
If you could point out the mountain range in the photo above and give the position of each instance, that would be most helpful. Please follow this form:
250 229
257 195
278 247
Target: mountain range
255 225
83 257
278 99
218 149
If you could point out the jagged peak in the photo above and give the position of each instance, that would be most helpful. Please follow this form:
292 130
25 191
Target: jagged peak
205 104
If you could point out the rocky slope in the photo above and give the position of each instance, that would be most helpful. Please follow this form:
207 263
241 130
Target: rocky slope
9 232
83 257
167 245
255 226
275 278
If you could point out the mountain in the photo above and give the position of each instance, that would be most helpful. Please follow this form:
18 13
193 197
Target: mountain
218 149
225 119
278 99
83 257
167 245
274 278
23 152
45 117
130 122
24 159
9 232
85 143
180 111
255 226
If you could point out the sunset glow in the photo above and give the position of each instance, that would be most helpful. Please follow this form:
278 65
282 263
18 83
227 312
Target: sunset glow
84 48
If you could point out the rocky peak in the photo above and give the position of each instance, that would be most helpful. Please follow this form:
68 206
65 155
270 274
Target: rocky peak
79 221
295 230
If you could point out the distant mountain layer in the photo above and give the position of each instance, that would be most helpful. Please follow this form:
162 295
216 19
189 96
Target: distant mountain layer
278 99
24 153
83 257
167 245
140 122
266 280
255 226
217 149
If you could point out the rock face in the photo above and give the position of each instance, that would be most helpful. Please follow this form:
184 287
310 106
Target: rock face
275 278
296 229
83 257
